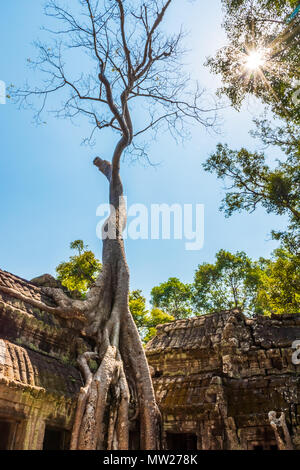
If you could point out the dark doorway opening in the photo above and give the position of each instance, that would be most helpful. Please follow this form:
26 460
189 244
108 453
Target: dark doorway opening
134 437
263 439
55 439
5 433
259 446
176 441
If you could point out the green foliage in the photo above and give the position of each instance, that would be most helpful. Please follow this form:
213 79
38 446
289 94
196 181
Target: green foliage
138 309
253 182
279 288
146 321
262 25
269 286
277 5
231 282
81 271
253 25
173 297
156 317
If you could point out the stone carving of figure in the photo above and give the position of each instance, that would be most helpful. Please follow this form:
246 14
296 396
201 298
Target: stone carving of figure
282 435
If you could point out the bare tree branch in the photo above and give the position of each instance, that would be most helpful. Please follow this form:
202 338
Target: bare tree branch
129 57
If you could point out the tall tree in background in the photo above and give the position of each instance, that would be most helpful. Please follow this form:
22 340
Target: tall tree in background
262 55
145 320
131 63
267 286
231 282
139 311
262 59
173 297
156 317
252 182
279 284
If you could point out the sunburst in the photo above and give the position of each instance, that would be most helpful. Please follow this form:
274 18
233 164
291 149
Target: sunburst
255 60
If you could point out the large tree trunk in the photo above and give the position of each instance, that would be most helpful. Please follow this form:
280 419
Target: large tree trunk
119 396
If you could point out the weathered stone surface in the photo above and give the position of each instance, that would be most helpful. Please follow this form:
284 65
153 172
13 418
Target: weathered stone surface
39 383
46 280
219 375
216 376
26 325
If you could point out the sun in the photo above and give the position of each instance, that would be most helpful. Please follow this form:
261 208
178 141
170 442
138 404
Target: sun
254 60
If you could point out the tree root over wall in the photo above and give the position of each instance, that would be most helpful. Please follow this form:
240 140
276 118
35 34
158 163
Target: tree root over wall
119 395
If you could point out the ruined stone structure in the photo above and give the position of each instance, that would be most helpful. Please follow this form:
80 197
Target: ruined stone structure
217 377
39 382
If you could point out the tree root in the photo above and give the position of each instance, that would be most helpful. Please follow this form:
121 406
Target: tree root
61 311
120 393
107 393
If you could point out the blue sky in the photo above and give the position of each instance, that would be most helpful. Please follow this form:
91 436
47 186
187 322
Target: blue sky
49 189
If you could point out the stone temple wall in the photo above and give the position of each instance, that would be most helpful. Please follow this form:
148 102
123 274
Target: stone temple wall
39 382
217 377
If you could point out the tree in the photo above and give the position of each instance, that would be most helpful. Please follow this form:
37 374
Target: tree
231 282
146 321
279 286
156 317
81 271
139 311
262 54
131 63
253 182
262 30
173 297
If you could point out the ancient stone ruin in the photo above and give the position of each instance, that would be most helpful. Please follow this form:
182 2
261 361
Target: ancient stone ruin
39 381
222 381
218 376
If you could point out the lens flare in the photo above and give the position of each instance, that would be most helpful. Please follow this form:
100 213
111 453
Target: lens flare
254 60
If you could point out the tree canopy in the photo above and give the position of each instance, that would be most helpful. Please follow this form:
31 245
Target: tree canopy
139 311
145 320
279 286
231 282
78 275
262 287
266 29
173 297
252 182
129 62
81 270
